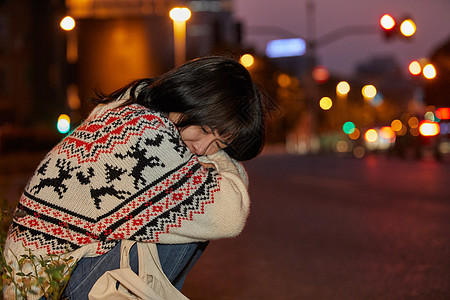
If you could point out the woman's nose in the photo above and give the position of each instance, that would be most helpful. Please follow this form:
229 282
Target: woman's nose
200 147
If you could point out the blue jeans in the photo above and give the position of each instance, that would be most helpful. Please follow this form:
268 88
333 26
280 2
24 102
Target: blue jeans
176 261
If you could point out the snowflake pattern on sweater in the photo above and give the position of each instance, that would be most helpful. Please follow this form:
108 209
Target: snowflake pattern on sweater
123 175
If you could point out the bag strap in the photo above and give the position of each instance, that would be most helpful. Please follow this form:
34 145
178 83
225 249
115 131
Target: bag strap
149 252
125 247
146 252
132 282
149 264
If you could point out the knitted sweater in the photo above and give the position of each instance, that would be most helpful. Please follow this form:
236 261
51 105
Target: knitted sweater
126 174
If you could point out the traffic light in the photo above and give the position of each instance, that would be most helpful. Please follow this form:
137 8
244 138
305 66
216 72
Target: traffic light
388 25
405 29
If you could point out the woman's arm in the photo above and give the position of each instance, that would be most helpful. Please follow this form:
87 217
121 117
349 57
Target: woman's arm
179 200
127 175
226 215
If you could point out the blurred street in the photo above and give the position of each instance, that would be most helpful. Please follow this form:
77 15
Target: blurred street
335 228
323 227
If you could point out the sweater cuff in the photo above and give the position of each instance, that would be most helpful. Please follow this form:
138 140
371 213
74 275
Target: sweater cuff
224 163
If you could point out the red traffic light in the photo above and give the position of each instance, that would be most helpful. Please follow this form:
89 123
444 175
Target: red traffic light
388 25
406 28
387 22
443 113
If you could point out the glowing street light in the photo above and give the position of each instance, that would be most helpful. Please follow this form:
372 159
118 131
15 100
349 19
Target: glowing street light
179 15
247 60
343 88
371 136
325 103
369 91
415 68
408 28
67 23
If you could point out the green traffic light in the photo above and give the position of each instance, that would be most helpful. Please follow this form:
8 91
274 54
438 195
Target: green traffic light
348 127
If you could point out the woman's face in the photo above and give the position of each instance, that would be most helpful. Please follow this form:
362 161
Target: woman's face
200 140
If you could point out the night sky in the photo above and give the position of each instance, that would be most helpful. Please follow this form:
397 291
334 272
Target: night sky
432 18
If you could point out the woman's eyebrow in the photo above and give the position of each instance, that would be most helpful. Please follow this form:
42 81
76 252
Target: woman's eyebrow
206 129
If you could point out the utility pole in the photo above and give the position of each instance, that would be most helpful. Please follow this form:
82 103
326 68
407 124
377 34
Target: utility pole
311 88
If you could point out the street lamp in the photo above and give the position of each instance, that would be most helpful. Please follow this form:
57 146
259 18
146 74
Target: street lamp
247 60
179 15
415 68
68 24
342 88
422 66
325 103
369 91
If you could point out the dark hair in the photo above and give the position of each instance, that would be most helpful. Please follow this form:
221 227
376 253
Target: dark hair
214 91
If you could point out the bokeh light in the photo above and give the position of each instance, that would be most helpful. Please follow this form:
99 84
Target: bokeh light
284 80
387 133
371 136
348 127
247 60
359 152
342 146
414 131
180 14
387 22
369 91
430 116
355 134
443 113
427 128
396 125
325 103
408 27
415 68
343 88
413 122
320 74
67 23
429 72
63 124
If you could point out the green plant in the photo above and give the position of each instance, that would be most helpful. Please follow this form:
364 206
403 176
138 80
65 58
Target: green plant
29 277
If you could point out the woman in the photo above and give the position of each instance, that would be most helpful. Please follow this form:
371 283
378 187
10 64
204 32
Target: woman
156 161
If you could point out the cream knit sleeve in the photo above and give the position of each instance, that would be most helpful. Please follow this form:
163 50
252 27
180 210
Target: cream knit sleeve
227 215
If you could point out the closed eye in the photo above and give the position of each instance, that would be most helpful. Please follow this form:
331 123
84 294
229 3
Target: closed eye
206 130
